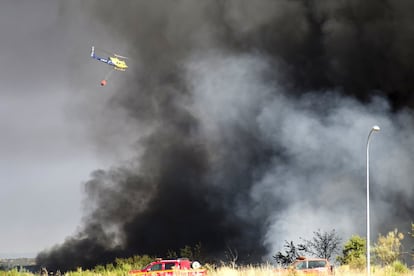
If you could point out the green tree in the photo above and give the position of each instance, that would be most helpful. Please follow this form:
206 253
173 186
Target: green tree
190 252
387 249
292 252
353 253
171 254
323 244
193 253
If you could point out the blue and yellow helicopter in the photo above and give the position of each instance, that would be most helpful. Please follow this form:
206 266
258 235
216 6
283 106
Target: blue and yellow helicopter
117 61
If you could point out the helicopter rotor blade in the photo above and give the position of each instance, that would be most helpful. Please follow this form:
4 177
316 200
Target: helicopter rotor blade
109 53
119 56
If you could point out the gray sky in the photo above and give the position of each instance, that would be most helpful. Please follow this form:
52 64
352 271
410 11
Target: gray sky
46 152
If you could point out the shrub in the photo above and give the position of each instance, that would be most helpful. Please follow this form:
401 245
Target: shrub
353 253
387 250
399 267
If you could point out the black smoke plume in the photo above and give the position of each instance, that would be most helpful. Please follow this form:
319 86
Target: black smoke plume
254 119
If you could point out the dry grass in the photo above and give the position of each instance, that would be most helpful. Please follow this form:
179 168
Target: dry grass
270 270
245 271
264 270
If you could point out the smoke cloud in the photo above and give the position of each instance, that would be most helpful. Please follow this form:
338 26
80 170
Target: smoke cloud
252 121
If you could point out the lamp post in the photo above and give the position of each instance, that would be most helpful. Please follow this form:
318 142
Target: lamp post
374 128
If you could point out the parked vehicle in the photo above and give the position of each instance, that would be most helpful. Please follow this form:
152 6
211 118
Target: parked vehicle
308 266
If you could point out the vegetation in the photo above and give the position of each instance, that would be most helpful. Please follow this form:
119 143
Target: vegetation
412 235
323 244
386 252
191 252
354 253
264 270
292 252
387 249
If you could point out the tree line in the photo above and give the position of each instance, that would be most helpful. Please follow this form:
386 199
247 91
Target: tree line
386 251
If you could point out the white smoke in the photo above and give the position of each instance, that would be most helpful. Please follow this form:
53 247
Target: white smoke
316 180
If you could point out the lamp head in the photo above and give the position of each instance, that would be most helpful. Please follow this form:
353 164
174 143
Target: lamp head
376 128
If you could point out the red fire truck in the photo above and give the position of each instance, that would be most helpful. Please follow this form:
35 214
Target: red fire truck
176 267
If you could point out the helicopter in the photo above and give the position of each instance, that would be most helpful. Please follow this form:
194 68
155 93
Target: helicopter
118 62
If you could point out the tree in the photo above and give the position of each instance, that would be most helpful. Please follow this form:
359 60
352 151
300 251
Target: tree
412 235
232 256
354 253
323 245
134 262
388 248
190 252
292 252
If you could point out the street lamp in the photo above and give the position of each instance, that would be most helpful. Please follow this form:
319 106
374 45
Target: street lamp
374 128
